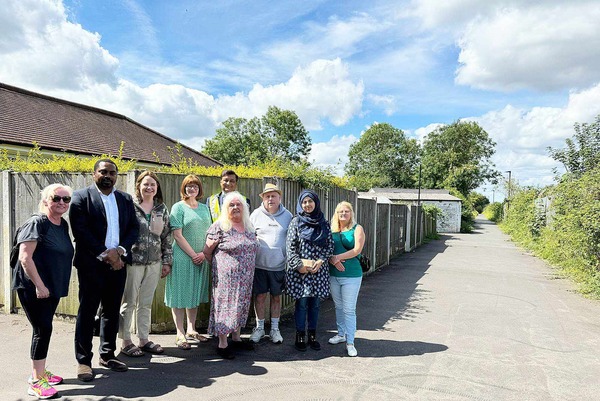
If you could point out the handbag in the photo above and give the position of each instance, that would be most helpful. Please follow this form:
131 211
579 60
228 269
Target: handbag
365 262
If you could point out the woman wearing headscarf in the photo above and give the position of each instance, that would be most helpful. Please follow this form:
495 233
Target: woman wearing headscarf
309 244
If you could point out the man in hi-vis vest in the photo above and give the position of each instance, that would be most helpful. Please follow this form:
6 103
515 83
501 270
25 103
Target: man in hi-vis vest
228 183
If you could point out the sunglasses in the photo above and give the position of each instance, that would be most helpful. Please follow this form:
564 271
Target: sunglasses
57 198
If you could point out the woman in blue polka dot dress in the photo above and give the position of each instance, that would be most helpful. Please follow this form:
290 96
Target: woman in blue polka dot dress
309 243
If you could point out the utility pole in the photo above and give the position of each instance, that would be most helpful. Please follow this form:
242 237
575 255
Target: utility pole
508 191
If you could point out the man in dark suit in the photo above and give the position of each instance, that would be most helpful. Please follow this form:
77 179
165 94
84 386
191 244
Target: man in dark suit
105 227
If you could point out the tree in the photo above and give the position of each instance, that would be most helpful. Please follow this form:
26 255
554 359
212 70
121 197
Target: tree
383 157
479 201
278 134
582 153
458 156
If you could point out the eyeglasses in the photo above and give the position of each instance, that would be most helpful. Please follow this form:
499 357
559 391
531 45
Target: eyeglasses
57 198
192 187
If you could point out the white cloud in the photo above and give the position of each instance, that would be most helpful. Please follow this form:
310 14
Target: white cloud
338 37
333 153
542 47
421 133
45 52
40 48
321 90
523 135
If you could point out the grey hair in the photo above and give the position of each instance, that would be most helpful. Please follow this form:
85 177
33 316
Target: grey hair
224 221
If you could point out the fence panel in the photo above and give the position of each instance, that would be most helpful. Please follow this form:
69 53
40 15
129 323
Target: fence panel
384 224
382 233
397 228
365 216
5 240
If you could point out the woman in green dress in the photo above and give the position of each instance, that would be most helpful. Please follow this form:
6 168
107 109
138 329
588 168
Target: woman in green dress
187 285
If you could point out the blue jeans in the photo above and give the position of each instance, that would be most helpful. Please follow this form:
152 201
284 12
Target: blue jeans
307 307
344 291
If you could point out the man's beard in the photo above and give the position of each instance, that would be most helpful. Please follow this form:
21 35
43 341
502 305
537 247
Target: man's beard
105 183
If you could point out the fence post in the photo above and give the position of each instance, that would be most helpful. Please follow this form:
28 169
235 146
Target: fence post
375 236
7 220
389 233
408 237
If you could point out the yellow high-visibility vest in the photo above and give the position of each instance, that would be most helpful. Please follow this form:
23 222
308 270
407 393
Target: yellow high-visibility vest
215 208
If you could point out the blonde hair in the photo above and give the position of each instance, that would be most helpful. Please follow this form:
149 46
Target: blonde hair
335 219
48 192
223 219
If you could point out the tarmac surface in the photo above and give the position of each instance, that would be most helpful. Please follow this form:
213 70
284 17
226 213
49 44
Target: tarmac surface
466 317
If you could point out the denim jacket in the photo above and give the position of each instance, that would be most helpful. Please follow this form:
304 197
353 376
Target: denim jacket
154 241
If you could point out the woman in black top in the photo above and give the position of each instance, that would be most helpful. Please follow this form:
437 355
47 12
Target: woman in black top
41 278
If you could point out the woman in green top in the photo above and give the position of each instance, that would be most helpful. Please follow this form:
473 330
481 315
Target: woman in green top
187 285
345 273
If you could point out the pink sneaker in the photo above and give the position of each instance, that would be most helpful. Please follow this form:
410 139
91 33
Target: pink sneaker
42 389
52 379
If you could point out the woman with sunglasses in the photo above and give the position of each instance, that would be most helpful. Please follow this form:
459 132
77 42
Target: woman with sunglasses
41 277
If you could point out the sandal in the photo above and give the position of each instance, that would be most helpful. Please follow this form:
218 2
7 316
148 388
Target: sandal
196 337
132 350
152 348
182 344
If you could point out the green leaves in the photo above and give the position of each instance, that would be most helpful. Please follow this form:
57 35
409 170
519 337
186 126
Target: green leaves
278 134
383 157
458 156
582 153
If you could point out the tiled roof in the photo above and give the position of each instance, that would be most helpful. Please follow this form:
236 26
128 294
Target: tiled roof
61 125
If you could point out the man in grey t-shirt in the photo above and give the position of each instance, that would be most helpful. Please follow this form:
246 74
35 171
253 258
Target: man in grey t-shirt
271 221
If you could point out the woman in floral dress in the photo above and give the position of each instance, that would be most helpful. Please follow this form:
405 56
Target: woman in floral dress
309 244
231 247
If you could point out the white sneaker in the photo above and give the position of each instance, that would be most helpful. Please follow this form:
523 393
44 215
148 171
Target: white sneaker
257 334
337 339
276 336
351 350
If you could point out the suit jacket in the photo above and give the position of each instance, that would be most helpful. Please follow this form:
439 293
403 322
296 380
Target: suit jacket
88 223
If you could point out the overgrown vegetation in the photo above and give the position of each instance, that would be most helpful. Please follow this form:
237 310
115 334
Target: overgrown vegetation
570 237
302 171
468 212
493 212
567 232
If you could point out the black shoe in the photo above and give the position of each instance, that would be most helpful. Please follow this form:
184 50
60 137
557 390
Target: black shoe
242 345
226 353
312 340
114 364
300 343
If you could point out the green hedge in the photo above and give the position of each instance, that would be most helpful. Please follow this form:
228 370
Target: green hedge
569 237
493 212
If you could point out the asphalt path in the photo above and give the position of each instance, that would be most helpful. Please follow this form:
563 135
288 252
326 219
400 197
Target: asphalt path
465 317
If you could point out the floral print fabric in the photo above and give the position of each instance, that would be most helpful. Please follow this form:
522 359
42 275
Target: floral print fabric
306 285
233 272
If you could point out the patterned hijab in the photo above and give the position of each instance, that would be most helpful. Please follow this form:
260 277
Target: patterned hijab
312 226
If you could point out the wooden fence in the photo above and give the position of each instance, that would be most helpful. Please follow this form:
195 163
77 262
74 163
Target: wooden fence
391 229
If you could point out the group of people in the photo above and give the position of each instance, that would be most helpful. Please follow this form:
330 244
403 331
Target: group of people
216 250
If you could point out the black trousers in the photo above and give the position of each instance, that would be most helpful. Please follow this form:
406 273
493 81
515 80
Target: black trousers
40 313
98 285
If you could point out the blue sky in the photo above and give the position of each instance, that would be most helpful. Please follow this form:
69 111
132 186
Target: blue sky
525 70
